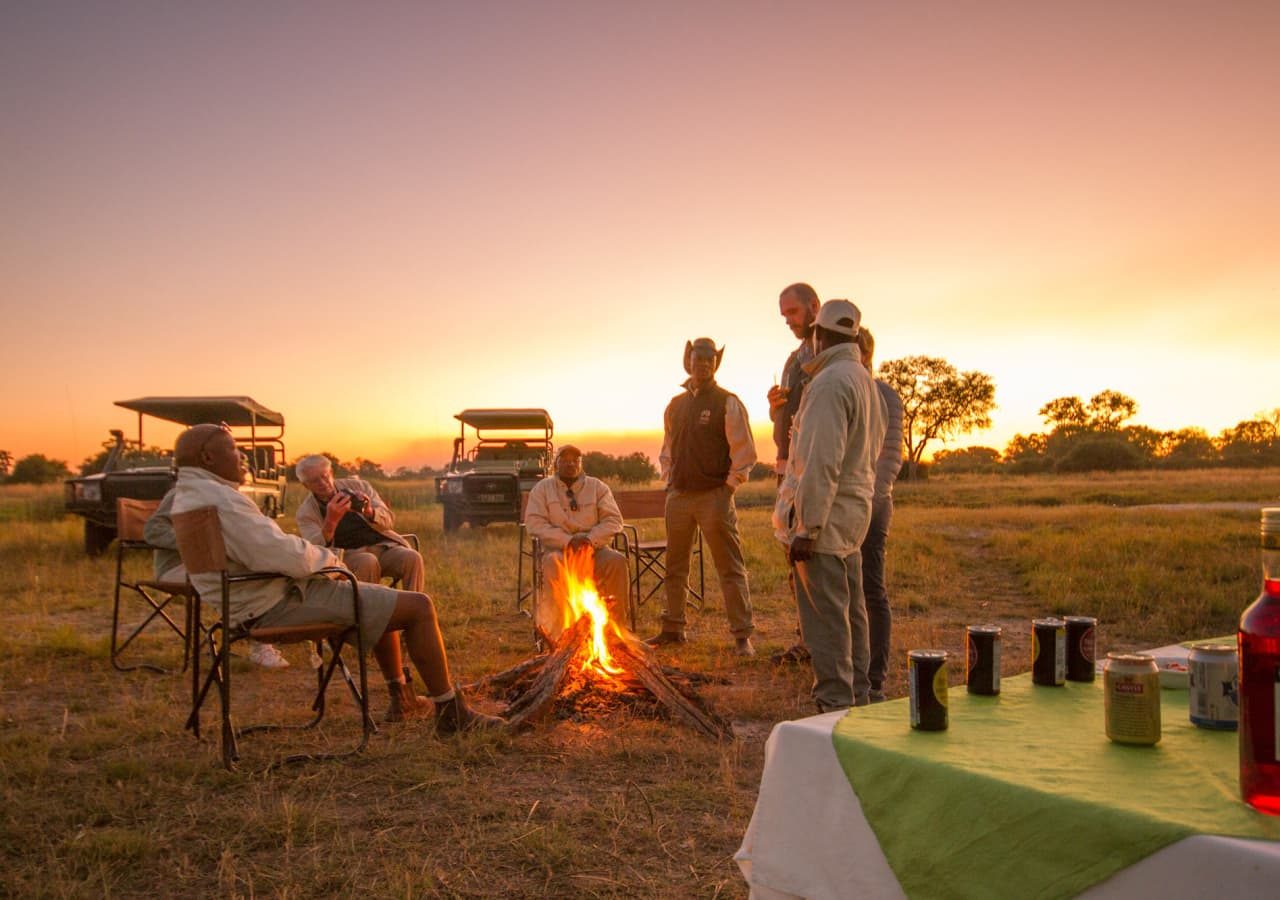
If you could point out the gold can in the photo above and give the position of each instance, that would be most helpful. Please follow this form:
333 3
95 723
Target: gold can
1131 683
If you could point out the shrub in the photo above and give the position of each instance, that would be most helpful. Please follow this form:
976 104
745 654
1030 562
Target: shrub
1103 453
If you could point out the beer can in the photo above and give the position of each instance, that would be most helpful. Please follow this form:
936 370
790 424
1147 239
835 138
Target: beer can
927 684
1131 686
982 659
1213 686
1082 634
1048 652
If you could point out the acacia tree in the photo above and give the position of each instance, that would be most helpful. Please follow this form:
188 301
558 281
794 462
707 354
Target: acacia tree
6 460
1105 411
938 402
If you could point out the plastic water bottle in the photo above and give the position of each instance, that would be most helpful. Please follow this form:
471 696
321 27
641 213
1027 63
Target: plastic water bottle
1259 641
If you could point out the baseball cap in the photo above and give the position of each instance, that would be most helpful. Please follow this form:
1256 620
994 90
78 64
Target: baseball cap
839 316
568 448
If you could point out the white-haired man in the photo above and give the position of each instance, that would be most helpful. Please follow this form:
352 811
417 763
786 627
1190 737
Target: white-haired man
346 514
824 506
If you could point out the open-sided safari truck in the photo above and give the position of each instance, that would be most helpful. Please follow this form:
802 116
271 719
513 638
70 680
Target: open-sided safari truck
133 473
511 451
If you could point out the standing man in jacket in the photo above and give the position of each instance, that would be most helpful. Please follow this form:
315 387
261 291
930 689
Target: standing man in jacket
707 453
888 463
574 511
824 506
347 514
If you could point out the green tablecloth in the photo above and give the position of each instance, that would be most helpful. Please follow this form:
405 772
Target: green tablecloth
1025 796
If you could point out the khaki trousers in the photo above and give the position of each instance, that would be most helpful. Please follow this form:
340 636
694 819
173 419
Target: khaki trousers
612 576
833 625
712 511
386 560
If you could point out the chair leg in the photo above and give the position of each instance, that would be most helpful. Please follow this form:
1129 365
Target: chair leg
157 609
230 750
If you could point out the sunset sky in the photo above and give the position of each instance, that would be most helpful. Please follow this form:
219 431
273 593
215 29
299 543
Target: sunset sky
371 216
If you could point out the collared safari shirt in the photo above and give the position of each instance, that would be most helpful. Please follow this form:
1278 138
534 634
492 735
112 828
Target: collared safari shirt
737 432
310 514
254 543
551 518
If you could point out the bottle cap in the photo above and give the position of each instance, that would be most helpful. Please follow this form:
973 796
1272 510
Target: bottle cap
1271 528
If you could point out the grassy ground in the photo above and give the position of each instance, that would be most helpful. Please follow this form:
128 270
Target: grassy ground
105 794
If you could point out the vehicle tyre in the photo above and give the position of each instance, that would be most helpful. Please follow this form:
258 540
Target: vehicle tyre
97 538
452 518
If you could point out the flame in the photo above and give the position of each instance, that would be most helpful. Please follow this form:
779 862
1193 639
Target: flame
576 595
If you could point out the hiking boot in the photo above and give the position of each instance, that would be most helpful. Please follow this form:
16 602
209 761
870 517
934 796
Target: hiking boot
792 656
454 716
876 696
405 704
742 647
266 656
665 637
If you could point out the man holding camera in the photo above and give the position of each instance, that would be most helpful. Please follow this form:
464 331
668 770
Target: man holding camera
348 515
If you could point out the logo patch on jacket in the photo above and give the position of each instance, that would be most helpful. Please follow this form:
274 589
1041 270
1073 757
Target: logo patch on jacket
704 417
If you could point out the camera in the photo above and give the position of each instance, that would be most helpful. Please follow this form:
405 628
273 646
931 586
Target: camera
358 501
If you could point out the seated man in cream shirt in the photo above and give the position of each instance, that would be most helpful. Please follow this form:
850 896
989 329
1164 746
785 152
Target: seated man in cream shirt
572 511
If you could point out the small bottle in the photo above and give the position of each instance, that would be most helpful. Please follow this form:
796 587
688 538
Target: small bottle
1259 641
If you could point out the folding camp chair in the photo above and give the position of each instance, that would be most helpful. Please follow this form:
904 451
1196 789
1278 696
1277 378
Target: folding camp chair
528 558
157 596
649 555
203 552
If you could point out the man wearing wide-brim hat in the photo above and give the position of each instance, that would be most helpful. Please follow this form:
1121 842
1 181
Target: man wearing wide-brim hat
707 452
824 506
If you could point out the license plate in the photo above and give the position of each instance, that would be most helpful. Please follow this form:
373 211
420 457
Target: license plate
491 498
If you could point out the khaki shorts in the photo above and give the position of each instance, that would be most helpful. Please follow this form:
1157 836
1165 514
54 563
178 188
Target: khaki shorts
319 600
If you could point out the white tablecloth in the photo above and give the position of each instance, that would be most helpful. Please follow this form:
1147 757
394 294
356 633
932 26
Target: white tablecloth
808 838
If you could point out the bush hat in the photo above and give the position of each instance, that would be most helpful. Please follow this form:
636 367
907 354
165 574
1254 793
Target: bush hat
702 347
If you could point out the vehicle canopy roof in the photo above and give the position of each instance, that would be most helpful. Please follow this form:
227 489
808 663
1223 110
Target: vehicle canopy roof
507 419
235 411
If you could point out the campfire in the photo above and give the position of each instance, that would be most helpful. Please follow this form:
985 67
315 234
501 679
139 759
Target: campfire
593 663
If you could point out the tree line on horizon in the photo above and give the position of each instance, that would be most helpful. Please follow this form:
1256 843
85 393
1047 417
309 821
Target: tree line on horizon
940 404
1097 436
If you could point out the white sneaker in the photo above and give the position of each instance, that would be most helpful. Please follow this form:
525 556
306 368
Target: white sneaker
267 656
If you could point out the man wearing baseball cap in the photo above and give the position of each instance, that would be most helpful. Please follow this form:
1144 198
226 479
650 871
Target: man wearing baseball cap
824 506
707 452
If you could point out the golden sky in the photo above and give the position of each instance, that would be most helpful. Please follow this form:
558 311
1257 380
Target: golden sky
372 216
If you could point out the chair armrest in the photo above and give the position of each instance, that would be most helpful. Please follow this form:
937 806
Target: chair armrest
623 542
413 541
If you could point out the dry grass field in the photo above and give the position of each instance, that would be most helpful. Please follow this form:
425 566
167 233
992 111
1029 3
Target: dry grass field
106 795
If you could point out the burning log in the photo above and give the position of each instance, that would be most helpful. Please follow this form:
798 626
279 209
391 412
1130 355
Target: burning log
594 656
686 707
536 701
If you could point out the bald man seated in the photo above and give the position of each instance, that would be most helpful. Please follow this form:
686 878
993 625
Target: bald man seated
210 469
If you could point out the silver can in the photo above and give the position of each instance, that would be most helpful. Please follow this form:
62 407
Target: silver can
1213 686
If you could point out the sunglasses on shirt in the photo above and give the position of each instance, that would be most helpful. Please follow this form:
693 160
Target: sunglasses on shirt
573 501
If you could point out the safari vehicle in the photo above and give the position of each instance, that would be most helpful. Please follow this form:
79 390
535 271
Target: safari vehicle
133 473
510 453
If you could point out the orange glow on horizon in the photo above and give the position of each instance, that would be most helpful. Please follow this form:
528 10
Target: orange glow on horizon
460 209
